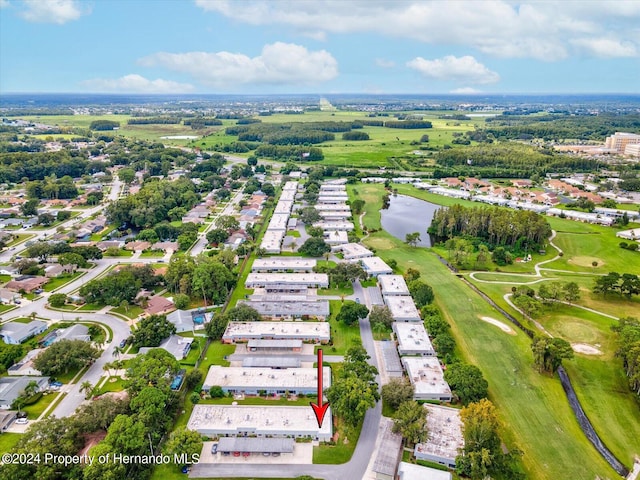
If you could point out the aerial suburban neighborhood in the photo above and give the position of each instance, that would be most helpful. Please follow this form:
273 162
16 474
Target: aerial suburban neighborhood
217 271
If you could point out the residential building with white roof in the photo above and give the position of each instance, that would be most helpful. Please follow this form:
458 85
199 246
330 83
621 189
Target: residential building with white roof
392 285
445 438
427 378
267 280
259 421
355 251
252 381
316 332
375 266
403 308
283 264
413 339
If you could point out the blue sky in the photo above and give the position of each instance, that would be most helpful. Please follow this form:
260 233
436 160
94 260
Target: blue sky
319 46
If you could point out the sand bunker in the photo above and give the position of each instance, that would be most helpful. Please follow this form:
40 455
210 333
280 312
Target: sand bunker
585 349
502 326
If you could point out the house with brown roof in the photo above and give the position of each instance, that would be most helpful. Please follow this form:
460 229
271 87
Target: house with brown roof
159 306
137 246
166 246
27 283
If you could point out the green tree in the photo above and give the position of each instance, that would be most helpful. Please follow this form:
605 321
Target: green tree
217 326
309 215
397 391
466 382
152 330
228 223
87 388
181 301
357 205
381 314
65 355
183 441
243 313
212 280
548 353
314 247
410 420
71 258
412 239
350 398
57 300
217 236
444 344
30 207
571 291
421 293
155 368
351 312
126 175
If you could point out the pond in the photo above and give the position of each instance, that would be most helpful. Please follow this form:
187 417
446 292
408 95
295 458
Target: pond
407 215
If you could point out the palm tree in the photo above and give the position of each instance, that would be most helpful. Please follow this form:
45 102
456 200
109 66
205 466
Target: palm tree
107 368
87 388
117 351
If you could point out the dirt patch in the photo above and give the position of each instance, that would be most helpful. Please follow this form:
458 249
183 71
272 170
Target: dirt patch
585 349
586 261
502 326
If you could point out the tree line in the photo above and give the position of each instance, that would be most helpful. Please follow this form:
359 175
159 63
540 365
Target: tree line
628 349
513 229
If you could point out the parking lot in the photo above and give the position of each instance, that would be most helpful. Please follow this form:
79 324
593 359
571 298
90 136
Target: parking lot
302 454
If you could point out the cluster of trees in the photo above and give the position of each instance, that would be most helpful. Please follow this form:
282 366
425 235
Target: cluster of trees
482 456
355 390
410 124
52 187
63 436
66 355
198 123
66 253
101 125
467 382
626 284
355 136
154 203
9 354
343 273
507 160
206 277
548 353
120 286
152 330
290 152
554 127
154 121
20 166
628 349
518 230
439 331
315 246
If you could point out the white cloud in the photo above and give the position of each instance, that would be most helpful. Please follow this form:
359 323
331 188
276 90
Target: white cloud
134 83
4 3
504 28
606 47
384 63
458 69
278 63
51 11
465 91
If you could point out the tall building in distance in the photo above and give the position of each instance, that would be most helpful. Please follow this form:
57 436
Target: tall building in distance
620 140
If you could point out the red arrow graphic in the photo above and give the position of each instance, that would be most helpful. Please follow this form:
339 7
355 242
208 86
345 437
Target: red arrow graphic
319 409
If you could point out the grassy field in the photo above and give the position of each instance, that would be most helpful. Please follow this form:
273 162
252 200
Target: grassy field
341 452
530 405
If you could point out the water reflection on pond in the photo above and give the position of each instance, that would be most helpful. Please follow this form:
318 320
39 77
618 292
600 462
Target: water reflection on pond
407 215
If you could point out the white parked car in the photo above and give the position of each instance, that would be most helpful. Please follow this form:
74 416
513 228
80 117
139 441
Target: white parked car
22 421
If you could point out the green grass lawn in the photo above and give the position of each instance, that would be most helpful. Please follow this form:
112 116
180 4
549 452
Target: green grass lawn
152 254
58 282
132 311
8 441
117 385
342 336
341 452
35 410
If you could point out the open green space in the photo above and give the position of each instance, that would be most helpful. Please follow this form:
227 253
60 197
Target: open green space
132 311
35 410
8 441
342 336
530 405
343 448
113 384
58 282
